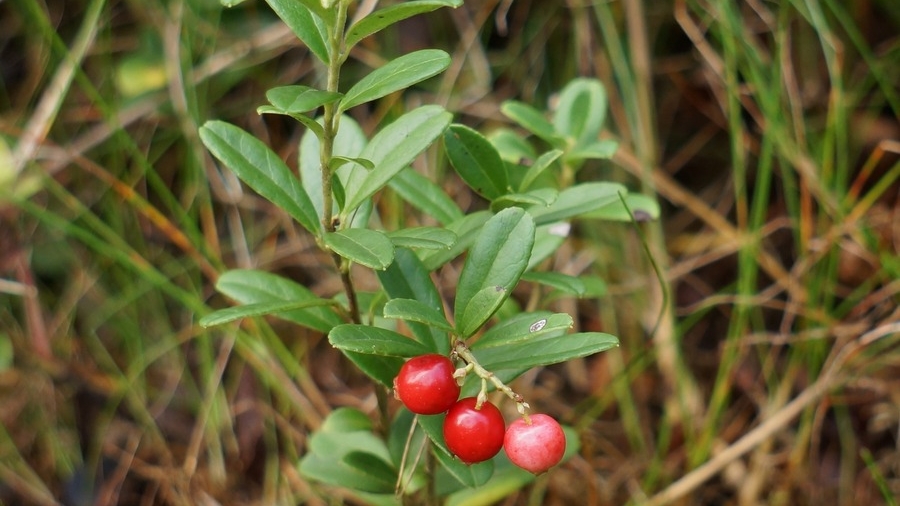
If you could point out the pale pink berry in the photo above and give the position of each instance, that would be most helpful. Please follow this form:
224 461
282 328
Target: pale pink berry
535 447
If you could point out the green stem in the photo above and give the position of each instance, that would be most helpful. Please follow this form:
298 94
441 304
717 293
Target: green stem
331 118
331 122
472 365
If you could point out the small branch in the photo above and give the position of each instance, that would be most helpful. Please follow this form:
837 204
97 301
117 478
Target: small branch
472 365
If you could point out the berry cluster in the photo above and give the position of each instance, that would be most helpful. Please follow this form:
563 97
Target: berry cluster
474 429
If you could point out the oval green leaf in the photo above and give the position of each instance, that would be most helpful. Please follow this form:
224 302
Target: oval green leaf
545 351
261 169
423 238
547 239
641 207
425 196
497 258
381 368
299 99
259 287
391 150
307 19
413 310
363 246
374 341
407 278
539 197
599 150
479 309
396 75
466 229
581 111
382 18
524 326
565 283
578 200
231 314
538 167
511 146
532 120
476 161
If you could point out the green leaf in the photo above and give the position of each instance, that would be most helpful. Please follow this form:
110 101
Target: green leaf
345 452
512 147
299 99
363 246
407 278
479 309
383 18
473 475
261 169
599 150
259 287
308 122
476 161
538 167
423 237
547 239
594 286
381 368
425 196
496 259
466 229
643 207
340 161
244 311
382 473
396 75
578 200
532 120
545 351
524 326
581 111
374 341
343 420
348 143
391 150
413 310
538 197
563 282
308 20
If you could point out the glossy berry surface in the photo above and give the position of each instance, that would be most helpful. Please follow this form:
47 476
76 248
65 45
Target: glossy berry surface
474 435
536 447
426 384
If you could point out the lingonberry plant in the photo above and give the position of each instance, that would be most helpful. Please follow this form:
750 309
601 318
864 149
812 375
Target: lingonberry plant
528 178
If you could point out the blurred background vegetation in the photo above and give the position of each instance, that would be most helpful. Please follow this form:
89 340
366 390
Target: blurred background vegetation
759 360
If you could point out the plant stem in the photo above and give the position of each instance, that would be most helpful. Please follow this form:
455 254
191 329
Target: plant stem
330 126
463 352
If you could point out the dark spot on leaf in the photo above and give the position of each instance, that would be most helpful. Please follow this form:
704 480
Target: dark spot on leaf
642 216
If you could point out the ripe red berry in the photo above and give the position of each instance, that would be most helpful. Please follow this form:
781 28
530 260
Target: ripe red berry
426 384
474 435
535 447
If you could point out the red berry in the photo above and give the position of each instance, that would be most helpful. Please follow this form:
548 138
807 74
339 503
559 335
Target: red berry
535 447
426 384
474 435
